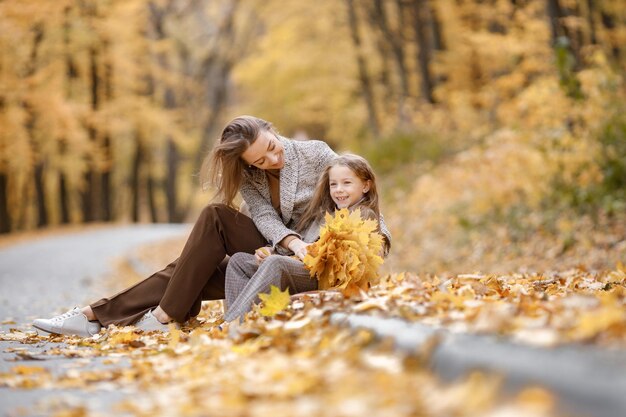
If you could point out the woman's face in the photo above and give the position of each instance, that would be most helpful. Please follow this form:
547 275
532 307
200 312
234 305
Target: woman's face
345 187
266 152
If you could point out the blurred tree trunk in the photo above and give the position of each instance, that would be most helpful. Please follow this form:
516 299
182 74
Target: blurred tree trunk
366 84
151 188
71 74
107 148
385 71
20 221
420 25
158 14
215 71
106 200
91 193
216 103
394 38
555 15
566 48
439 43
608 21
5 218
135 179
171 185
42 213
560 33
591 21
38 169
64 200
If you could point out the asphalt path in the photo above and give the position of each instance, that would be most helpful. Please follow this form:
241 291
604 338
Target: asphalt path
47 276
587 380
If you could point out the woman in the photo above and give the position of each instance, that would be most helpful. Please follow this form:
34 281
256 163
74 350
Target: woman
276 177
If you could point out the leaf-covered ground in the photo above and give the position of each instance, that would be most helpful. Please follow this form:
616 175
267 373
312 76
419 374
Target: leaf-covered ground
295 363
299 363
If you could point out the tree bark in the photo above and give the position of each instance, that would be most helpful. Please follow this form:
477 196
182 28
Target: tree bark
439 43
5 218
90 195
154 213
86 196
106 184
558 29
591 21
42 212
157 19
366 84
135 180
216 84
395 41
420 25
106 200
64 199
608 22
71 73
171 185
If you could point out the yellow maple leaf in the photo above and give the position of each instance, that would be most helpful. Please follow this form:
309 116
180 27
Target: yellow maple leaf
347 254
28 370
123 337
274 302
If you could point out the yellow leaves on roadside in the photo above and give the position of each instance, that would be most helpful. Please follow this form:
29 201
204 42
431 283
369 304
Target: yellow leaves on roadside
25 377
569 306
347 254
608 317
123 337
174 337
619 275
274 302
28 370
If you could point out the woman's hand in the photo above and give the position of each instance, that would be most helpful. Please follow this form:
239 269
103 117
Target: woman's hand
298 247
262 253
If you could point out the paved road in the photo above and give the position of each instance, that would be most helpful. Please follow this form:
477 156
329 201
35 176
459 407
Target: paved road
48 276
589 381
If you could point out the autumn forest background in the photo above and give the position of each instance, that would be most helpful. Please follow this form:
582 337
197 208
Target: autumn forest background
497 127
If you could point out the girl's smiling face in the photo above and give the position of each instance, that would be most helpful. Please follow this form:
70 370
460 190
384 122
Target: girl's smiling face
346 188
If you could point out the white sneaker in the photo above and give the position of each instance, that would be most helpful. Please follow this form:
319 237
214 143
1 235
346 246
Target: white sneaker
149 323
72 322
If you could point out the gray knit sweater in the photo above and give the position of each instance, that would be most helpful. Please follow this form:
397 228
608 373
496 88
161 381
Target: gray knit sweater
304 163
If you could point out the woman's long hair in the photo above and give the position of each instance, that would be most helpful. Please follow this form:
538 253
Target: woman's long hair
322 202
223 167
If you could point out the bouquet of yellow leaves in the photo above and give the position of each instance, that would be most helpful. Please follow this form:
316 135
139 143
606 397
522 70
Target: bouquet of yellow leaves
347 254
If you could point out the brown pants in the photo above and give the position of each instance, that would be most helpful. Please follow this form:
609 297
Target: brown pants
198 274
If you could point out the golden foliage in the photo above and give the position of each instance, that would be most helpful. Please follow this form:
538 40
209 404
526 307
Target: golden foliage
347 254
274 302
266 367
299 361
541 309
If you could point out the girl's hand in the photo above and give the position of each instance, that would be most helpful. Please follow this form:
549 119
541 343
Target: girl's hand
298 247
262 253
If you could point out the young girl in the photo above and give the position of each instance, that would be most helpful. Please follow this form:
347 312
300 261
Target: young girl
347 182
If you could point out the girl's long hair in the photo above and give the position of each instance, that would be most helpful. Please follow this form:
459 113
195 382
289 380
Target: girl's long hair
322 202
223 168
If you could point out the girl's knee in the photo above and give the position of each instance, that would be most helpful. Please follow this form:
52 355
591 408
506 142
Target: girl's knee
273 259
275 262
239 259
